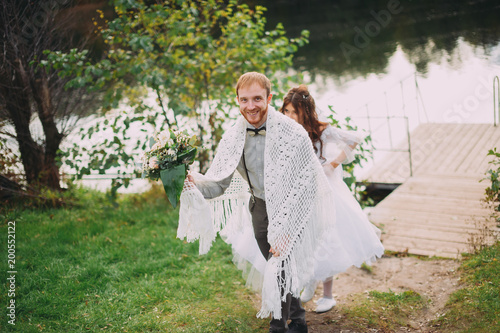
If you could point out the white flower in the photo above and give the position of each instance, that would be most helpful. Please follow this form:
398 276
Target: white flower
156 146
153 163
163 153
164 136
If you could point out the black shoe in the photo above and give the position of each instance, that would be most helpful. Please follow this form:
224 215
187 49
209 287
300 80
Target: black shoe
277 330
297 326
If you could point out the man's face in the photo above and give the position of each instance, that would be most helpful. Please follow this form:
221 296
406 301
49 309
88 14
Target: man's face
253 104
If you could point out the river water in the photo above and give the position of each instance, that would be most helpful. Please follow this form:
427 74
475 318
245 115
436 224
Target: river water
361 51
428 61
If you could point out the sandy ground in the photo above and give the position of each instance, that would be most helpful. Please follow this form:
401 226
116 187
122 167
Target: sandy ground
432 279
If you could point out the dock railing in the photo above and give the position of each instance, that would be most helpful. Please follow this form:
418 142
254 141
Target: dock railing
408 105
496 100
391 147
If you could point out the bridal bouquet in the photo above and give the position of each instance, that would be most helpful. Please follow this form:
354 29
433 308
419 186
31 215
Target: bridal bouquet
168 158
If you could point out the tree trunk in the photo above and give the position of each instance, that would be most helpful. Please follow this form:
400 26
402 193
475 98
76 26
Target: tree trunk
39 165
50 172
27 28
19 109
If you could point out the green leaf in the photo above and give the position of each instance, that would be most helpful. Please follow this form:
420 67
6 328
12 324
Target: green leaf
173 182
151 142
188 156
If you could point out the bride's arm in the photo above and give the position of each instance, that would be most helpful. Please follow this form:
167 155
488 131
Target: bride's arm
339 146
209 188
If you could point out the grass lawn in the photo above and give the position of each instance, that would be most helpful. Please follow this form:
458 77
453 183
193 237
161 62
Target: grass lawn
94 268
476 307
383 311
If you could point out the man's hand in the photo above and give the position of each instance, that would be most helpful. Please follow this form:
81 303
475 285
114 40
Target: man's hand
275 253
283 245
190 177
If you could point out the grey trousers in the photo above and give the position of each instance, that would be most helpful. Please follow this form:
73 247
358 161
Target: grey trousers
292 308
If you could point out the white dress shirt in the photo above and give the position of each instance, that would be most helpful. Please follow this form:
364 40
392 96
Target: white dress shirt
254 159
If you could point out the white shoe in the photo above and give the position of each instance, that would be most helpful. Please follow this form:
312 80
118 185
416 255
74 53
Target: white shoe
308 292
325 304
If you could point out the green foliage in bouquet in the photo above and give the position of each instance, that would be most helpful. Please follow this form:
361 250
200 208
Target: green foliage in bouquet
168 158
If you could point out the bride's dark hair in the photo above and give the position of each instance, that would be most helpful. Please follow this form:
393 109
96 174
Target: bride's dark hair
304 104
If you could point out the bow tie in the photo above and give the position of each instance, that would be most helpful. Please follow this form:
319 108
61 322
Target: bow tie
255 131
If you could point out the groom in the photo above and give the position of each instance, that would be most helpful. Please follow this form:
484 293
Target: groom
288 200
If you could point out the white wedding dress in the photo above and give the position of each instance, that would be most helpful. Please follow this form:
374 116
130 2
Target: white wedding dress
359 238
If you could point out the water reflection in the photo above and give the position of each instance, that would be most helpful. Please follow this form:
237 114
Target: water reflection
354 38
431 61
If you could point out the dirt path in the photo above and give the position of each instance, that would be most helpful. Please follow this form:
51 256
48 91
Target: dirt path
435 280
432 279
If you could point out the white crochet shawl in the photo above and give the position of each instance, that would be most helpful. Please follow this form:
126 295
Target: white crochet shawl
298 200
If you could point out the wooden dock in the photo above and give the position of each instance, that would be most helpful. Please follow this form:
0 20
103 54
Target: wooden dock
437 210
